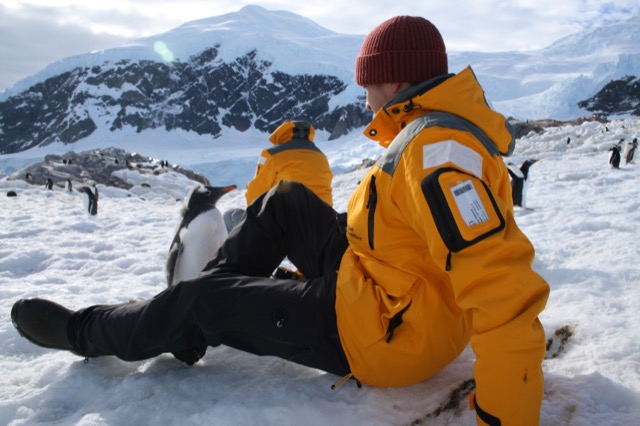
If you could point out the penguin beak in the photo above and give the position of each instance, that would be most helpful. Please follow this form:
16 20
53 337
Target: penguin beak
225 189
215 192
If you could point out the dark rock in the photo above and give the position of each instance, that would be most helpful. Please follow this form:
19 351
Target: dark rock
616 97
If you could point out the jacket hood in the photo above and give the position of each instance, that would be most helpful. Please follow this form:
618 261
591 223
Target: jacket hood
458 94
292 130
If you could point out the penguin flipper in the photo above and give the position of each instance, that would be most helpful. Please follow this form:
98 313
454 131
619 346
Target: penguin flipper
172 259
515 171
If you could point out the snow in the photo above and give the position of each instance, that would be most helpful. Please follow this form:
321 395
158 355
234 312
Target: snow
584 222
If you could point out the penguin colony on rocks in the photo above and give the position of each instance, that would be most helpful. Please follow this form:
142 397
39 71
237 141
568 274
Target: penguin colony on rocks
199 236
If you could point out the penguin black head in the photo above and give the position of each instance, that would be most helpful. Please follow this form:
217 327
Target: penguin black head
202 198
206 196
526 165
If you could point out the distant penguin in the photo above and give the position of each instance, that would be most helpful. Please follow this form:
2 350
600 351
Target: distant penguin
614 157
520 182
630 151
69 185
49 184
91 199
28 177
199 235
12 194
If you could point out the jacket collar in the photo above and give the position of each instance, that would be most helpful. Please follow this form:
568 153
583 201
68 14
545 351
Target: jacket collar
458 94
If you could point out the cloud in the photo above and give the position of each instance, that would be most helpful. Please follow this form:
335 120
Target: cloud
32 40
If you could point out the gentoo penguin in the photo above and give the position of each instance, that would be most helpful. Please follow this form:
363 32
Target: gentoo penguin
614 157
49 184
69 185
91 199
519 182
199 235
630 151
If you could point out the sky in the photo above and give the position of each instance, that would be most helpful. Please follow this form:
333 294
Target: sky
583 219
35 33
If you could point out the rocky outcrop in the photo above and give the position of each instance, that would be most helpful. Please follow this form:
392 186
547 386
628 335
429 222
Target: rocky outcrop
616 97
96 167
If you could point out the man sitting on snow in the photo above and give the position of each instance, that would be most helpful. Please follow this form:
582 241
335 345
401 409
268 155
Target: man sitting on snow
429 260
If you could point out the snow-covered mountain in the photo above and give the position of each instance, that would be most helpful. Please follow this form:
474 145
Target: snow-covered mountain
549 83
247 71
250 69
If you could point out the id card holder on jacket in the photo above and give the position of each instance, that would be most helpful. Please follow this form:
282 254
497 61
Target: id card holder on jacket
463 208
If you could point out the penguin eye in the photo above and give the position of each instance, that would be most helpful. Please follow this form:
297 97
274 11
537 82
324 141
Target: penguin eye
207 193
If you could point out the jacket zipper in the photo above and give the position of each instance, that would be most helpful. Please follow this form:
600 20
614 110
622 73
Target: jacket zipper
440 216
371 205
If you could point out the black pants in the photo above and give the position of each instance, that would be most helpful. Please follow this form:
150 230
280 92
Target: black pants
234 301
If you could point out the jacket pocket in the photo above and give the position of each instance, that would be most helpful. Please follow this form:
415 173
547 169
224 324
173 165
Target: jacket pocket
463 208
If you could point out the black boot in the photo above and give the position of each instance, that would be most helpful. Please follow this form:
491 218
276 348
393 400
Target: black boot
42 322
190 356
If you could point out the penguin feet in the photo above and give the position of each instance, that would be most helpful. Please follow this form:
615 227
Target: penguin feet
190 356
43 323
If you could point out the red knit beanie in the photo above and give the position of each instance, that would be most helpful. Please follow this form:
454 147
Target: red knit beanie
401 49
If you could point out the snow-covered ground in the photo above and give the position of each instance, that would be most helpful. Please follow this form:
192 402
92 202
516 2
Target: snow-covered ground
584 222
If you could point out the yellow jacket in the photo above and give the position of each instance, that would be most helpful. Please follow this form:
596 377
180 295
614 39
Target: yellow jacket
294 157
436 259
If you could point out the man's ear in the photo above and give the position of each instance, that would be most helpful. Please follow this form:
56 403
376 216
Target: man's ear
399 87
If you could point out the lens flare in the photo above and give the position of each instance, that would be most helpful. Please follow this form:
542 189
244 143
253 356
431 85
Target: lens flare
162 50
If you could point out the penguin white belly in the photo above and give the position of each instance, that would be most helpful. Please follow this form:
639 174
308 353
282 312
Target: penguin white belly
525 187
626 152
200 241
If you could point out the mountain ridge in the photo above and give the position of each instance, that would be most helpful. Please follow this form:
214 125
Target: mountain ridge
254 68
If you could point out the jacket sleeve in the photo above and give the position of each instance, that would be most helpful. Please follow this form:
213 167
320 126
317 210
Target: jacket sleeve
470 231
264 179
